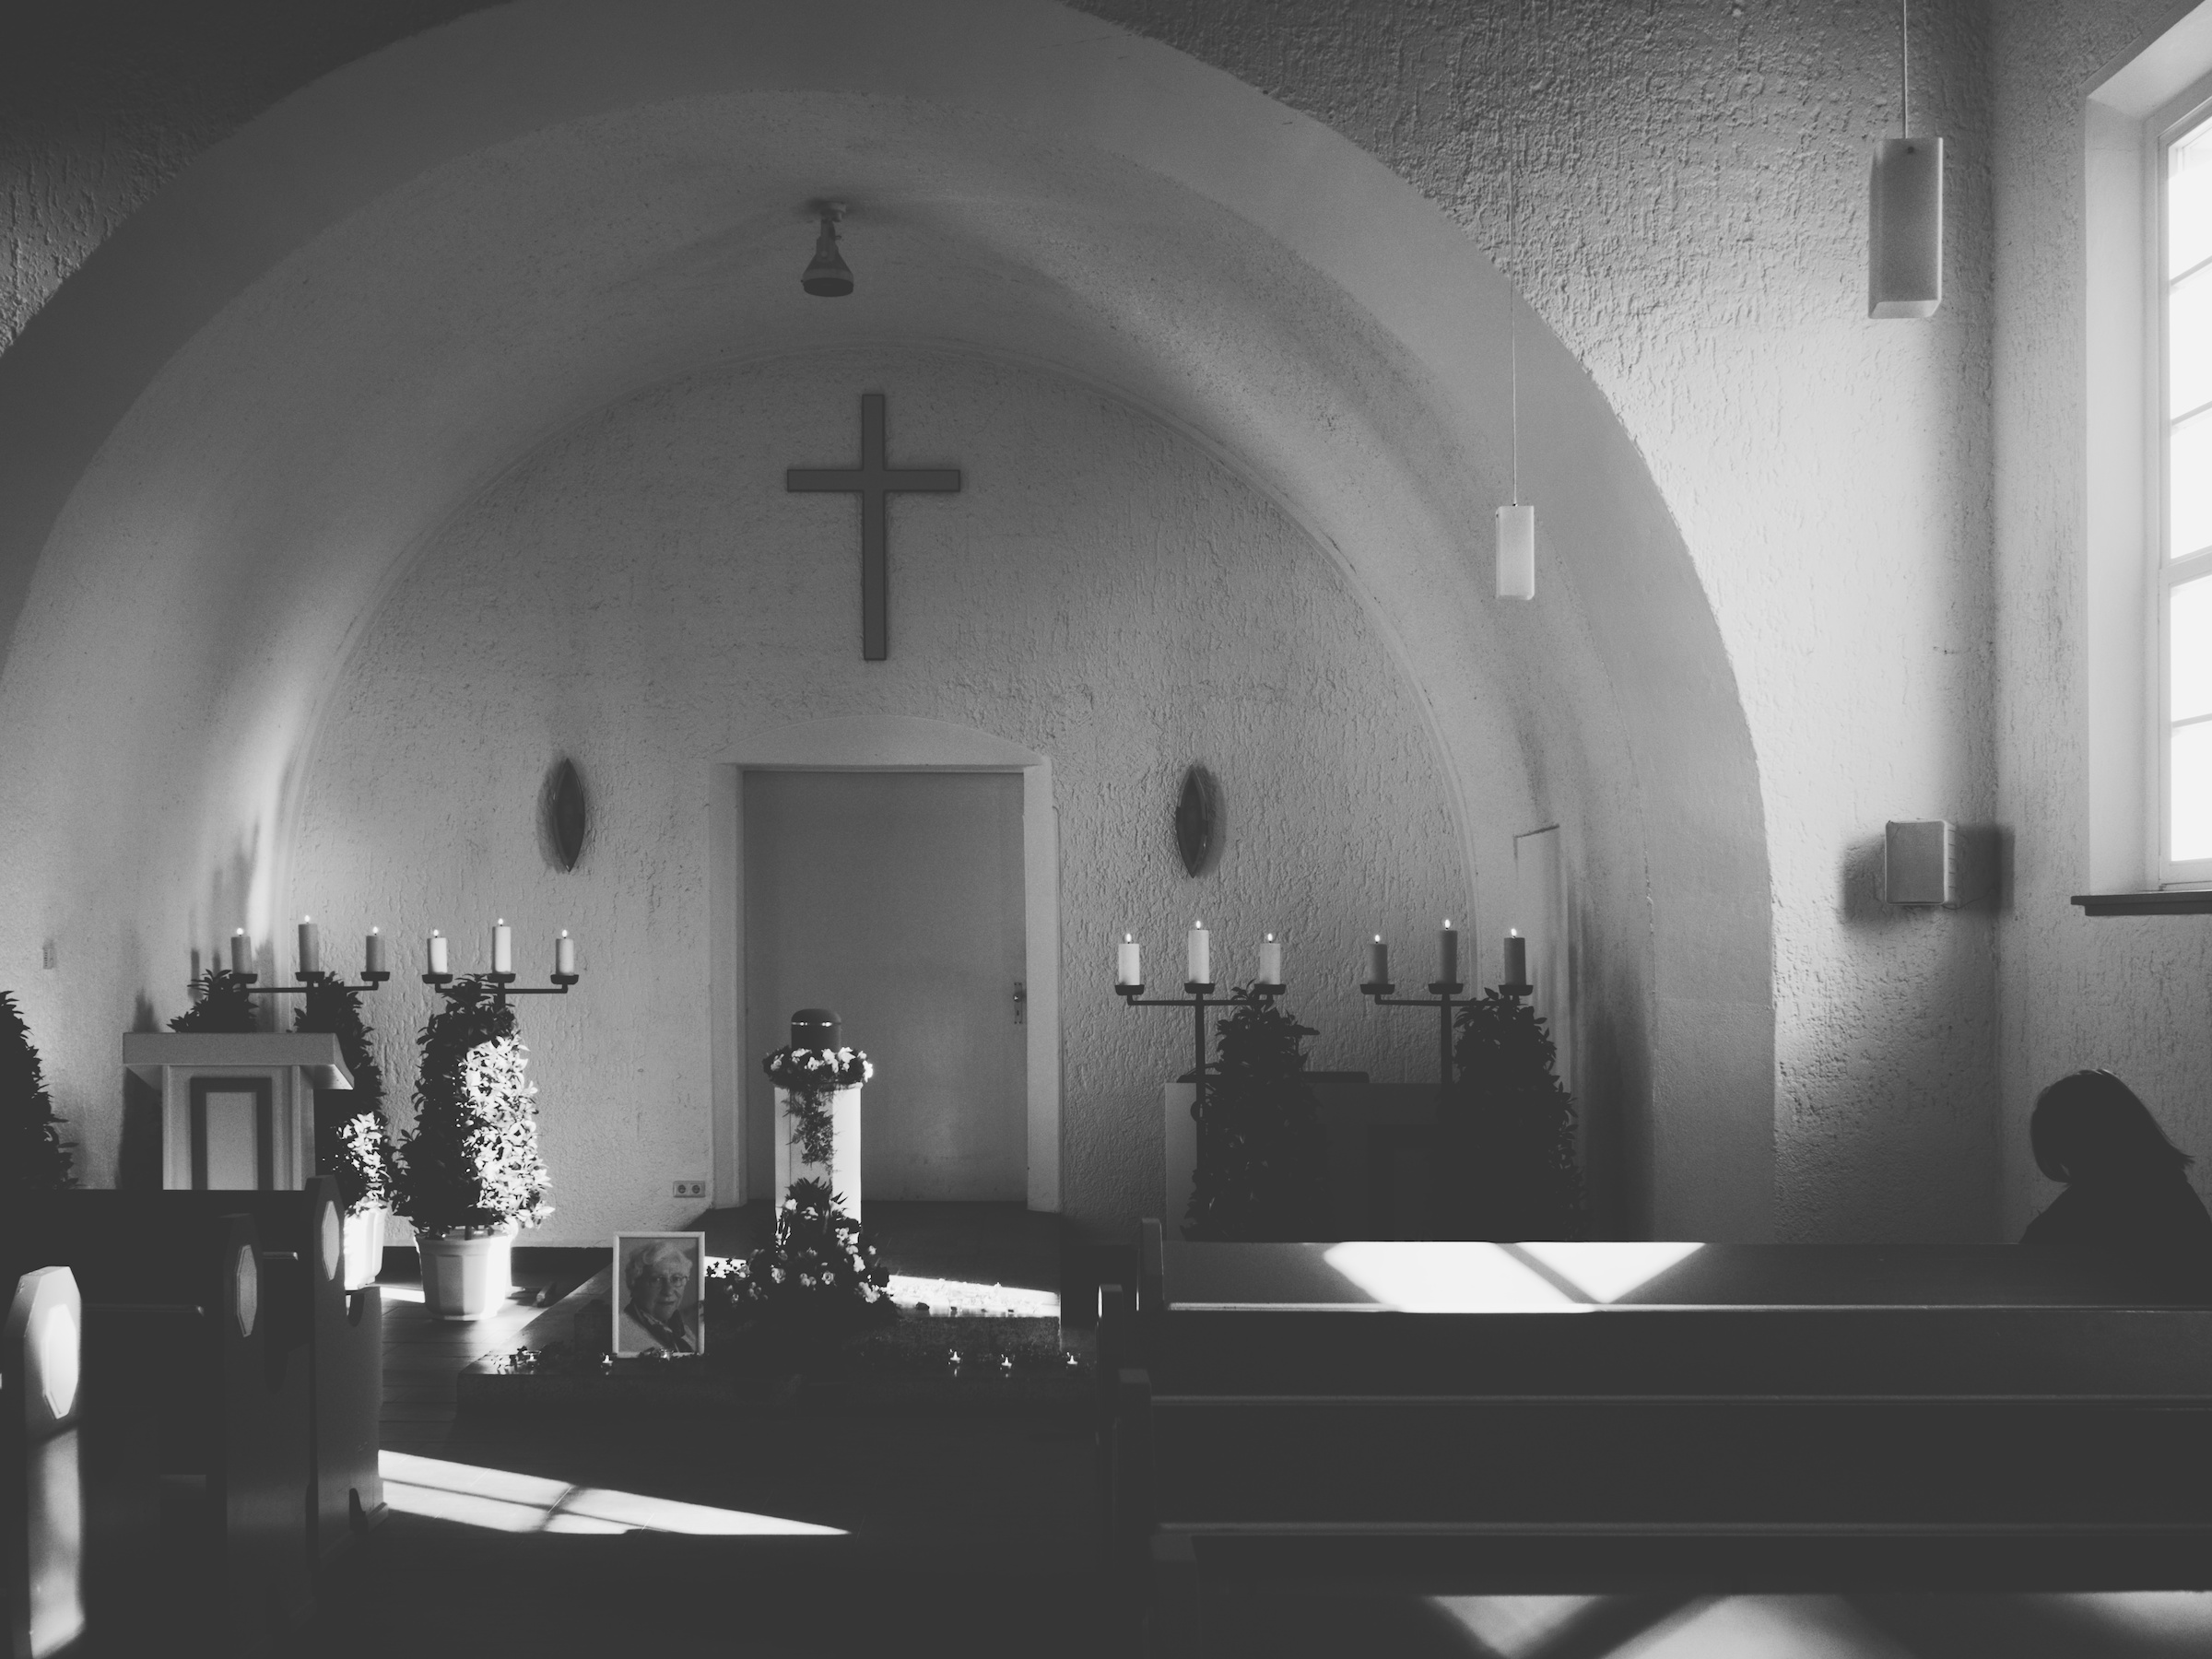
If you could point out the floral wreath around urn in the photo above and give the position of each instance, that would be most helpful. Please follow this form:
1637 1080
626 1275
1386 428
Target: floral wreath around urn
812 1076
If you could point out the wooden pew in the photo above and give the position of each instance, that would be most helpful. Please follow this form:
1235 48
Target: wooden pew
195 1421
1993 1420
344 1353
41 1479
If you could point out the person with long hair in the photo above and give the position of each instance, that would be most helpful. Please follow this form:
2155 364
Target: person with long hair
2125 1188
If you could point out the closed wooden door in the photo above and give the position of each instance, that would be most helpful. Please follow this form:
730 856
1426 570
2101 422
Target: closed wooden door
895 898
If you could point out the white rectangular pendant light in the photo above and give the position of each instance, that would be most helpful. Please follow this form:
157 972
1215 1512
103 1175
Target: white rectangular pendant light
1517 551
1904 267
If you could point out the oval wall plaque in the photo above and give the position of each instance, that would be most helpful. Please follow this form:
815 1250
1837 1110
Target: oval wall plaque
1198 819
565 813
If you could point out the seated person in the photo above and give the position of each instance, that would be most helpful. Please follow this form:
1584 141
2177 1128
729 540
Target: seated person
656 1310
2124 1185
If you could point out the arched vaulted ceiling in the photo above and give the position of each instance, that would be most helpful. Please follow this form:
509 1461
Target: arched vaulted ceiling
226 435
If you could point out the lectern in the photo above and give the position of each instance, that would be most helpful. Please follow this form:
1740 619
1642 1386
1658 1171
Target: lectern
237 1111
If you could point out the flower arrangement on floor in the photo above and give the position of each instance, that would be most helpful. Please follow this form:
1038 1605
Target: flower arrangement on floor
812 1076
819 1259
471 1164
1263 1161
1506 1138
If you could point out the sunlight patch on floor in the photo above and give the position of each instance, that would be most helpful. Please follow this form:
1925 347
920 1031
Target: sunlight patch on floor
503 1500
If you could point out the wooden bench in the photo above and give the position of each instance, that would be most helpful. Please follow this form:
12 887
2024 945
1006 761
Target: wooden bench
42 1481
345 1353
1960 1420
195 1420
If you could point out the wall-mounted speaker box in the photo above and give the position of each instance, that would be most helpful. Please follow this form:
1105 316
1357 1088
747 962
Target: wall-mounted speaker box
1920 863
1904 270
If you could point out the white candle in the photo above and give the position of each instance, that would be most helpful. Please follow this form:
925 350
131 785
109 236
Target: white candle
1377 962
564 954
374 955
1516 958
310 948
242 952
1200 955
1129 969
502 946
437 962
1447 953
1271 961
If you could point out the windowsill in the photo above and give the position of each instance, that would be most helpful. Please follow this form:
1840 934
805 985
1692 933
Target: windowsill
2177 902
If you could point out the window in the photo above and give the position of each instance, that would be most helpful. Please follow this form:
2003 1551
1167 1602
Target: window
2185 492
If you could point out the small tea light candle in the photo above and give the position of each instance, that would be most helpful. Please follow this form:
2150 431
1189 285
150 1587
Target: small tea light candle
1447 953
310 948
564 953
1516 958
1271 961
438 959
1200 955
242 952
374 953
502 946
1129 969
1377 962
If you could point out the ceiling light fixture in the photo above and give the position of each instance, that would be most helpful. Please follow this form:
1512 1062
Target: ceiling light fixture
828 277
1904 265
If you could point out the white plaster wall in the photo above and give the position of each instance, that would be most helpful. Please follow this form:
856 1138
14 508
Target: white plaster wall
1691 221
2134 995
642 591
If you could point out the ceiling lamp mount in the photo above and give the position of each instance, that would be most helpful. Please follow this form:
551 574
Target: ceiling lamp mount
828 277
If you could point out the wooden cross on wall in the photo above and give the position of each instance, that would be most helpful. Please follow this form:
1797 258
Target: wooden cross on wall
873 480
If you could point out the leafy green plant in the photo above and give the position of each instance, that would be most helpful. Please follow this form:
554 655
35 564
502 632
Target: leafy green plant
1262 1156
353 1146
32 1158
1508 1166
223 1005
470 1161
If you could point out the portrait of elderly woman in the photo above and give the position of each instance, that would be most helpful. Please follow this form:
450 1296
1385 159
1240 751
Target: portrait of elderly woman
659 1280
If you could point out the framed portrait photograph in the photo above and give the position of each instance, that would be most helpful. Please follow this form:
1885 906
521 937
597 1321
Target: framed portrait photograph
659 1292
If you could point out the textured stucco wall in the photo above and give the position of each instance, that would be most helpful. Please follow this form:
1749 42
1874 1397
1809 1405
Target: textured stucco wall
2132 994
1691 221
643 592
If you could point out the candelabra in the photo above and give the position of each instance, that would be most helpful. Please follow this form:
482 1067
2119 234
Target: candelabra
371 981
1198 996
1444 995
503 986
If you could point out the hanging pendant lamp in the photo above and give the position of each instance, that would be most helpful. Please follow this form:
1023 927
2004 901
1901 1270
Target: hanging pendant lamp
1517 520
828 277
1904 263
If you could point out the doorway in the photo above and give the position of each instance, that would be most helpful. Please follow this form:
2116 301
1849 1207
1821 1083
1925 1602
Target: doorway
897 898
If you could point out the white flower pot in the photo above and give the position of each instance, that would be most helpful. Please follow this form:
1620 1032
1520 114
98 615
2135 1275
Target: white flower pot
465 1278
362 1243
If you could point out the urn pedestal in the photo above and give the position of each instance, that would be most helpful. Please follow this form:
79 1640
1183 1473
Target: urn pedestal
843 1172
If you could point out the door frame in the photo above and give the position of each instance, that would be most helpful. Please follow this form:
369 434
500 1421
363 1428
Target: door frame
880 743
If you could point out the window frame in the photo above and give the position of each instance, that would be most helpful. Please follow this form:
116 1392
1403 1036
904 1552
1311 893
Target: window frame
2186 116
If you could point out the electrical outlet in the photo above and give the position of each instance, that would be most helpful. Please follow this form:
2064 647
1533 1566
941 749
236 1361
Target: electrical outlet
691 1189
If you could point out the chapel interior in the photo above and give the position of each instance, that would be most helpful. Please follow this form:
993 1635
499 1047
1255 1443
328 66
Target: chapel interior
432 502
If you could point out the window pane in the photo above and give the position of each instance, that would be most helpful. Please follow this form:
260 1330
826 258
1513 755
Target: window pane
2190 786
2189 343
2189 202
2189 650
2189 486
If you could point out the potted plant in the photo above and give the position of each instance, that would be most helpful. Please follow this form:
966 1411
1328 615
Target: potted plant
1507 1153
469 1174
221 1004
1262 1169
353 1142
32 1158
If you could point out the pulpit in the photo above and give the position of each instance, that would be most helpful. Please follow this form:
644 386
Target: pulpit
238 1111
